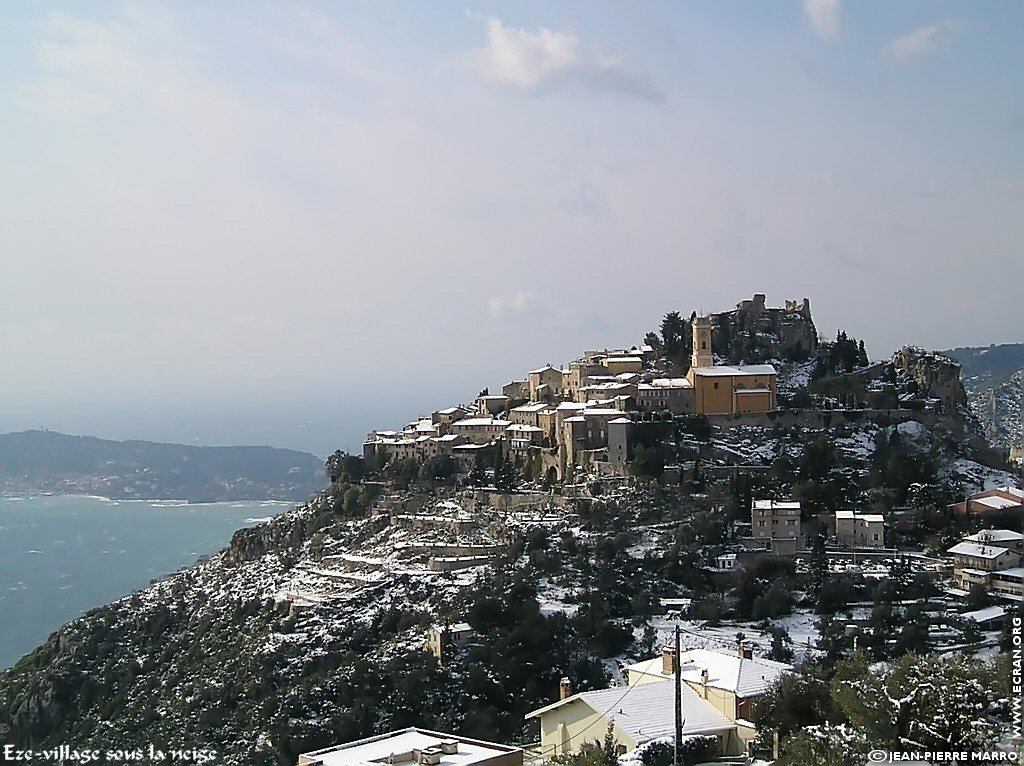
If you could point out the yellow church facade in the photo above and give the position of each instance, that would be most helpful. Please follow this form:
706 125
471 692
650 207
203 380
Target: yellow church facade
725 390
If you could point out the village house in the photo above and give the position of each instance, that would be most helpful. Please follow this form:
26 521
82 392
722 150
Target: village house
637 715
517 391
546 383
729 681
997 499
776 526
996 566
442 640
529 414
491 404
480 430
444 418
415 747
859 530
672 394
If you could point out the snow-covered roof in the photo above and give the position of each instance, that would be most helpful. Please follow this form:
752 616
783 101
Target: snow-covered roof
768 505
671 383
399 746
545 368
646 711
531 408
492 396
753 391
470 422
743 677
620 420
984 615
570 406
995 536
744 369
996 502
977 551
630 359
1012 573
1013 491
520 428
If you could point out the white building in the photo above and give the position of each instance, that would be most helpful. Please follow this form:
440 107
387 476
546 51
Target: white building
415 747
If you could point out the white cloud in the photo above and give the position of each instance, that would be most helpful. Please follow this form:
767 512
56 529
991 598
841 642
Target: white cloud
546 59
823 16
928 40
500 306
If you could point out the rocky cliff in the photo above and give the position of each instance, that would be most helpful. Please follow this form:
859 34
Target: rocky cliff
753 333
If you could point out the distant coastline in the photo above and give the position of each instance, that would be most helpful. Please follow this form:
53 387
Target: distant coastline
49 463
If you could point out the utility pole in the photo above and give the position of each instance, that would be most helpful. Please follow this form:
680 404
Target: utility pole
676 666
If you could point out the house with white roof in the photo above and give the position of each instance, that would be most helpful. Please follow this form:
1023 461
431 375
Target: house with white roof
672 394
546 383
415 747
727 680
859 530
443 639
1003 538
775 524
978 560
480 430
995 499
637 714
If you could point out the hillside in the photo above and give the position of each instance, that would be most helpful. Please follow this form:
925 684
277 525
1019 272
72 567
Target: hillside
310 629
994 379
45 461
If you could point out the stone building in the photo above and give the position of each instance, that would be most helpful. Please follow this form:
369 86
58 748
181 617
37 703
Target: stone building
776 526
857 530
722 389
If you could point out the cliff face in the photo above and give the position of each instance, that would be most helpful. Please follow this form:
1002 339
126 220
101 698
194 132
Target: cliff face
932 375
753 333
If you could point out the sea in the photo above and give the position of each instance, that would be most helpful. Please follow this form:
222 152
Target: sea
62 555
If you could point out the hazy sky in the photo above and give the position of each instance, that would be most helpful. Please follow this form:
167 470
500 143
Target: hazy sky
286 222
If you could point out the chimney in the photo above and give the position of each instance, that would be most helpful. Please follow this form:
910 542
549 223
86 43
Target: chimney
745 653
564 688
668 660
449 746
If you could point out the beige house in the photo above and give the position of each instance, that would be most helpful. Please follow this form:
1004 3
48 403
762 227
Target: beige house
517 390
443 639
981 562
856 530
480 430
529 414
637 714
491 404
729 681
776 525
546 383
415 747
616 365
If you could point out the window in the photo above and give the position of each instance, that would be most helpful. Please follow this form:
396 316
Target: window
716 384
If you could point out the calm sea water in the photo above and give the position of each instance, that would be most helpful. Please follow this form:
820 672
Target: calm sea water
62 555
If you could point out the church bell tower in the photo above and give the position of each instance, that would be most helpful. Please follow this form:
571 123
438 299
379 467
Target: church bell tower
702 356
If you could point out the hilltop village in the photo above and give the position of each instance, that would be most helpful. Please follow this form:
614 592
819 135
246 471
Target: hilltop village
503 581
590 414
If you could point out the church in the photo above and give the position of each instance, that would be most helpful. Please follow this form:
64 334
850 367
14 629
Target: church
723 389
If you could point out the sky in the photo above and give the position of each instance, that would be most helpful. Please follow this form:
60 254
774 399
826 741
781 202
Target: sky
288 223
